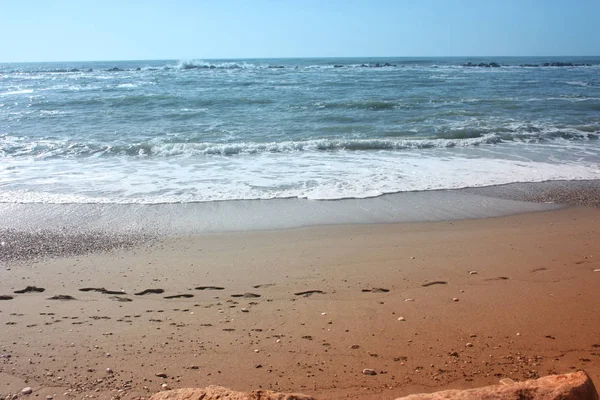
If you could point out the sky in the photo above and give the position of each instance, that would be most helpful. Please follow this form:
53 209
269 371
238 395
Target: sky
90 30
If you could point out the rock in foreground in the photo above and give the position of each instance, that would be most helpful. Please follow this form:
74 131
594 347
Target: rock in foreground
221 393
575 386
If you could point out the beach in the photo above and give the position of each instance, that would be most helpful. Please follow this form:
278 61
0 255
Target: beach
448 303
348 227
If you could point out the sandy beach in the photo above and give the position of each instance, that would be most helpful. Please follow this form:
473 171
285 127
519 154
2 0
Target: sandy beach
428 306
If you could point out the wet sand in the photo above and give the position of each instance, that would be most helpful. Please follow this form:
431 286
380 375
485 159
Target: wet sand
428 306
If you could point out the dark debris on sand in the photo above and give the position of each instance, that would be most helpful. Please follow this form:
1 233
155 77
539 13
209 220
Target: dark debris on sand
22 245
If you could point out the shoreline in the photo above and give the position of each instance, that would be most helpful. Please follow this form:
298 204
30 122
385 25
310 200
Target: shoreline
526 312
31 231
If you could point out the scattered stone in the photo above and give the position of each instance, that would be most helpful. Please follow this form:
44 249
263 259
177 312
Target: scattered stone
472 272
453 354
409 299
469 344
245 310
597 270
164 386
109 371
401 319
218 392
5 297
161 375
369 371
27 390
455 299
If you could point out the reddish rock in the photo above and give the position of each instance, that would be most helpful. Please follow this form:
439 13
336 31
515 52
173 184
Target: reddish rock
221 393
575 386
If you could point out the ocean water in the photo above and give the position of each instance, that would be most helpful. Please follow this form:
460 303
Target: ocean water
183 131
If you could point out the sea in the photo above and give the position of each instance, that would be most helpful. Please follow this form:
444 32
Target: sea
189 131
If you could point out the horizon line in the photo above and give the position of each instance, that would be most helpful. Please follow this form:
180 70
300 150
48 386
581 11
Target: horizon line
287 58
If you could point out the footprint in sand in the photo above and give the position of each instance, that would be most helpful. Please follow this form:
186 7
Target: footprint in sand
121 299
376 290
61 297
246 295
434 283
210 288
150 291
180 296
29 289
101 290
5 297
500 278
265 285
309 292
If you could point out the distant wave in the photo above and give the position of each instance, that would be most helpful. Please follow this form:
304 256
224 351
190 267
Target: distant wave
340 64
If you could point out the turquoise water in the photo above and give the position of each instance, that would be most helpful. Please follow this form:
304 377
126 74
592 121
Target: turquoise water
188 131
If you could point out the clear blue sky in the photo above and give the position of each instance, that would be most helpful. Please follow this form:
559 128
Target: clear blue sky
78 30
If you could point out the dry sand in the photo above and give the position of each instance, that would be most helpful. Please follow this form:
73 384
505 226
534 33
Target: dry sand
531 309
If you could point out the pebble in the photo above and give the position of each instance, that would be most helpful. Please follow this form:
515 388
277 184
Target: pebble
27 390
469 345
518 334
369 371
164 386
245 310
401 319
507 381
109 371
49 397
161 375
409 299
472 272
597 270
455 299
